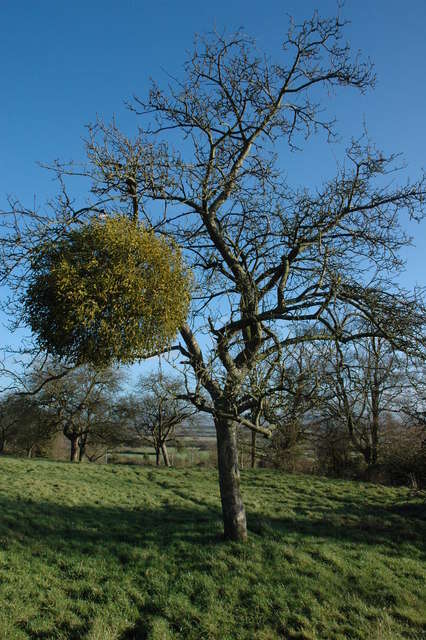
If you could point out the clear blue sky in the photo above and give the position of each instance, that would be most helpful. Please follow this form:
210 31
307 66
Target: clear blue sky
61 63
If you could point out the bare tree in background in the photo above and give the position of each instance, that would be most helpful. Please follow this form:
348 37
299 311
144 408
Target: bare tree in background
268 258
367 381
24 426
79 404
9 420
414 403
154 412
283 394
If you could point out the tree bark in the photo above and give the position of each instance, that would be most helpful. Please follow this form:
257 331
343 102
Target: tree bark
374 449
234 517
81 449
375 422
165 455
74 449
367 454
253 449
157 456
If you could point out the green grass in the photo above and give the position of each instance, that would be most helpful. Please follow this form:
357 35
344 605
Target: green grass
128 553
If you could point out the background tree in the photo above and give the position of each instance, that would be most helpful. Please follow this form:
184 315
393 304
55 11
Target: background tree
35 428
404 453
333 450
414 403
9 421
359 384
24 426
154 412
282 393
268 259
367 381
79 404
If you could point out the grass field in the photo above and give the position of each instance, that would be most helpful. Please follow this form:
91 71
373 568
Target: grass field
127 553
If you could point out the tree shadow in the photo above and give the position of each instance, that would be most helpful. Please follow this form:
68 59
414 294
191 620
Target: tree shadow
107 525
195 531
369 524
200 524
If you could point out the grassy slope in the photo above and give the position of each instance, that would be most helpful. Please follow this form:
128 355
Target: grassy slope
113 553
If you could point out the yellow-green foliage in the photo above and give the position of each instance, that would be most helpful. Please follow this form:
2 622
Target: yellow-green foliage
109 291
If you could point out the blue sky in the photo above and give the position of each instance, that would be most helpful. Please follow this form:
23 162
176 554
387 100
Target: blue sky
61 63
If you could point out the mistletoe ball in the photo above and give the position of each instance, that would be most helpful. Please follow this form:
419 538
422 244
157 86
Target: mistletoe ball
109 291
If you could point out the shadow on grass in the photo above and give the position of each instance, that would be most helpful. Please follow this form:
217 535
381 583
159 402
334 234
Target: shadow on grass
107 525
389 526
114 532
162 526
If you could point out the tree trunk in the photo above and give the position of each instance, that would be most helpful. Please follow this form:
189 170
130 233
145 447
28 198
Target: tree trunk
157 456
366 451
74 449
374 451
375 428
165 455
30 451
234 517
81 450
253 449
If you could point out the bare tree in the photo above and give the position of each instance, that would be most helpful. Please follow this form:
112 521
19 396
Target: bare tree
367 381
79 404
295 402
35 429
283 394
268 259
414 403
154 412
24 426
9 420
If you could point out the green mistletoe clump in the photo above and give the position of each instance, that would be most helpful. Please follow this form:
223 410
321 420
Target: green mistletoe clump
109 291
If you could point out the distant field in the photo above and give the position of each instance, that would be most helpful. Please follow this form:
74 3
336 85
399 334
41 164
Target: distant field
189 456
132 553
